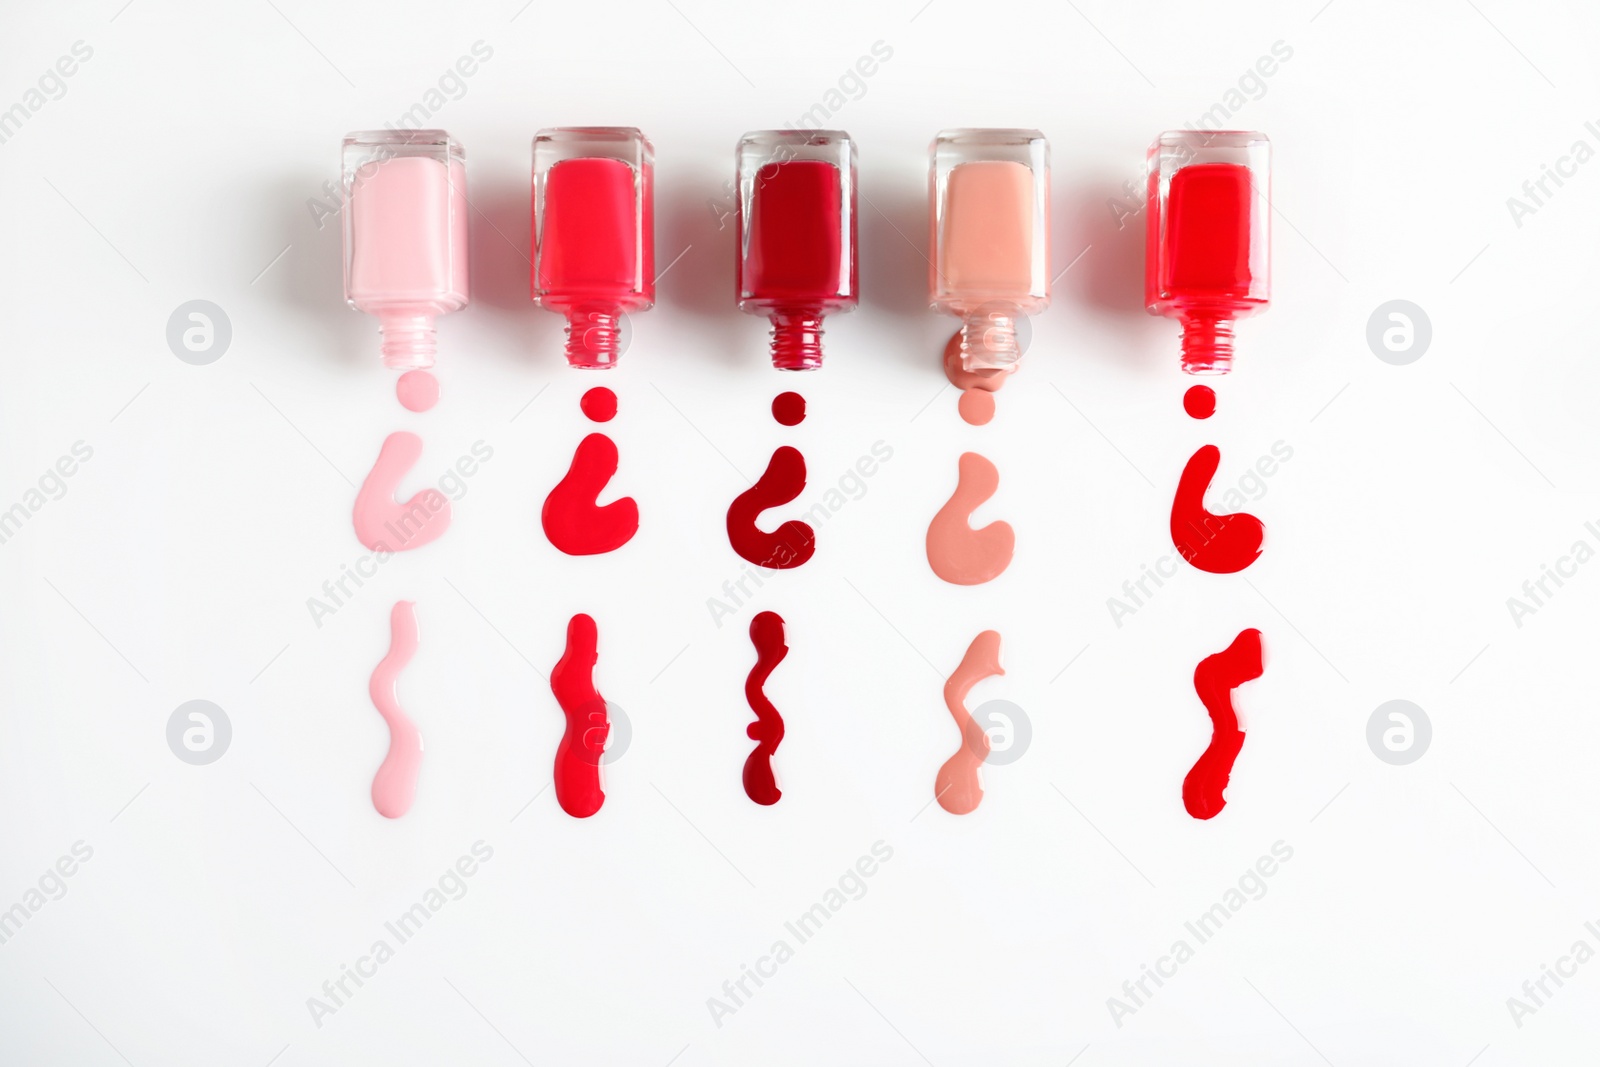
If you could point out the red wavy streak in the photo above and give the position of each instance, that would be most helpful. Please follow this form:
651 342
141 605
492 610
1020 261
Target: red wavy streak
766 633
577 771
1215 679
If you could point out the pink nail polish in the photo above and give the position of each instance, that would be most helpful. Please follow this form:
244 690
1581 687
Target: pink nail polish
1206 250
797 236
405 236
989 206
593 234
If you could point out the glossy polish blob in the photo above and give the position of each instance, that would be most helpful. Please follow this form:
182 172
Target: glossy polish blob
383 524
958 787
793 542
418 390
766 633
574 520
1220 544
1215 679
599 404
976 407
958 553
789 409
394 787
578 757
1200 402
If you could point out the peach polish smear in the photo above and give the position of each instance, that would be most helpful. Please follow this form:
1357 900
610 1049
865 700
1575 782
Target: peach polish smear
958 553
957 786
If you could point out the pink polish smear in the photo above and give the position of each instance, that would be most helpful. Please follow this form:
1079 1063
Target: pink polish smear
384 524
394 787
418 390
958 553
958 787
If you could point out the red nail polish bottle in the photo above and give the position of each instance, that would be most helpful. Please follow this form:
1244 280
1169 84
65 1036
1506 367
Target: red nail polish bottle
593 234
797 236
1206 249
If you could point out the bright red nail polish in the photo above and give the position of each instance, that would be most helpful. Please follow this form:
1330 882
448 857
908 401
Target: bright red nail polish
593 234
797 236
1206 251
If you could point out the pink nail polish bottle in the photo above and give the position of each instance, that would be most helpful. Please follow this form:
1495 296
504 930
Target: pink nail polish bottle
405 236
797 236
593 234
1206 250
989 207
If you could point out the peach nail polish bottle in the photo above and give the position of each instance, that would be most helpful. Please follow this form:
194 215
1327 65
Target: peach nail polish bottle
989 207
405 236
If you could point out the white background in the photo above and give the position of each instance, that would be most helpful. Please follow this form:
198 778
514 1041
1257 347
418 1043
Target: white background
179 163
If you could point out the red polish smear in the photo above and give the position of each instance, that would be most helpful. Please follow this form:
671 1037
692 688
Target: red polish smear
599 404
766 633
573 520
789 408
1221 544
582 745
792 543
1215 679
1200 402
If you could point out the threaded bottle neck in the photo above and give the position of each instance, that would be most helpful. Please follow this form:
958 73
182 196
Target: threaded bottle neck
1207 344
408 341
989 341
797 339
594 337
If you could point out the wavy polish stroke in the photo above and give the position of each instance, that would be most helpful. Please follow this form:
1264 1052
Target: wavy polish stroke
394 787
1215 679
957 786
583 744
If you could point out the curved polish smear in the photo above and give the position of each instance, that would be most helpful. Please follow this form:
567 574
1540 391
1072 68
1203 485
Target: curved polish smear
573 519
578 756
766 633
958 553
958 787
793 542
1215 679
418 390
1220 544
382 523
394 787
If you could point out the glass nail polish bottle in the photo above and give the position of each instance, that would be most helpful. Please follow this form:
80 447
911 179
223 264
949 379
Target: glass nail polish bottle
797 236
989 208
405 236
593 234
1206 248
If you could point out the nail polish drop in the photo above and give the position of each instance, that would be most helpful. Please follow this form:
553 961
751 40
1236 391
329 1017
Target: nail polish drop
1215 679
766 633
793 542
577 772
383 524
394 787
976 407
1220 544
958 553
978 387
957 786
573 519
599 404
789 408
418 390
1200 402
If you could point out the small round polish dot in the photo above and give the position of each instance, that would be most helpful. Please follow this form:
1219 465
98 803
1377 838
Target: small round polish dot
418 390
976 406
789 408
600 404
1200 401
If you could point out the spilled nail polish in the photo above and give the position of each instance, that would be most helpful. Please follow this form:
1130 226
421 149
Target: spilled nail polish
789 409
599 404
1220 544
383 524
760 783
957 786
417 390
793 542
1215 679
1200 402
573 519
577 770
394 787
958 553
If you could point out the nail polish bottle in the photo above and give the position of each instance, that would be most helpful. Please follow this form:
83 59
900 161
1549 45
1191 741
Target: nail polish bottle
405 236
593 234
1206 249
797 236
989 209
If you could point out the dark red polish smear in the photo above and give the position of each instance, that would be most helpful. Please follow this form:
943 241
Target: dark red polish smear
578 756
1221 544
789 408
792 543
766 633
599 404
1215 679
573 521
1200 402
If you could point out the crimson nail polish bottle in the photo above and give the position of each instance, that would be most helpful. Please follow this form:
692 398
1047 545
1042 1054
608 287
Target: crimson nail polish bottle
797 236
593 234
1206 249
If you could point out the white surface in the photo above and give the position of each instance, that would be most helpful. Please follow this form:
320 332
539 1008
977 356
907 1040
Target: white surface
185 151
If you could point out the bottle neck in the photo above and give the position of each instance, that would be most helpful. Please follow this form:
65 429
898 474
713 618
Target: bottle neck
408 341
989 341
594 337
1207 344
797 338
